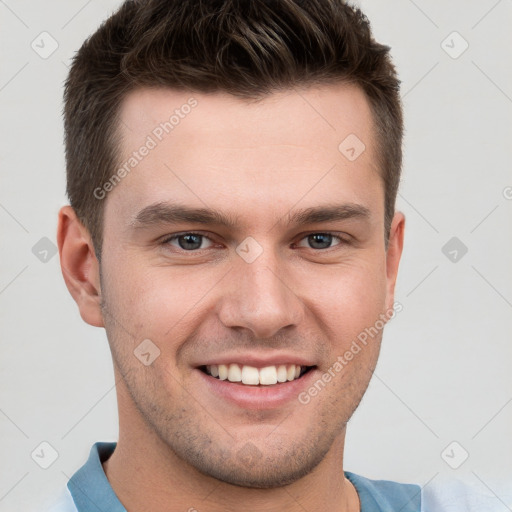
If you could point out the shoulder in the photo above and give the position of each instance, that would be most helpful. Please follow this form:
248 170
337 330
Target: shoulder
443 495
454 495
62 503
386 495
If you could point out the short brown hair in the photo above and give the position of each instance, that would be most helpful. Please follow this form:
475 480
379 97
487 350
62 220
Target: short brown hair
247 48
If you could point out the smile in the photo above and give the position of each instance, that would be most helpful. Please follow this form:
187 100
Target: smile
252 376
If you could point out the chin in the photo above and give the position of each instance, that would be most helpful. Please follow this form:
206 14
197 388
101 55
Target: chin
249 468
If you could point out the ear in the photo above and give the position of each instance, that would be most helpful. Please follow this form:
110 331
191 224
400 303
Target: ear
393 254
80 267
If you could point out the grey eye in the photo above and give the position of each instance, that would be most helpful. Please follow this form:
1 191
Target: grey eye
188 241
320 241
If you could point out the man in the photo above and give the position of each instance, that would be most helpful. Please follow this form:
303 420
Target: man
232 172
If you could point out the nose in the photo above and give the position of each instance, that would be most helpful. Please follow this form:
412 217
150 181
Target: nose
260 297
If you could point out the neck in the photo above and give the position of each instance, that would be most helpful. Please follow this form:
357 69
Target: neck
146 474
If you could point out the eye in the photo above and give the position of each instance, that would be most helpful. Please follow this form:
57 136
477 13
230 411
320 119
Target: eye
322 240
192 242
187 241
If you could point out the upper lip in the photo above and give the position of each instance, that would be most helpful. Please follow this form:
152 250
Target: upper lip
257 360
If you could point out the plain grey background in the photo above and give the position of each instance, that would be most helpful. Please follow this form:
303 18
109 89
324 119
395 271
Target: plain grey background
443 387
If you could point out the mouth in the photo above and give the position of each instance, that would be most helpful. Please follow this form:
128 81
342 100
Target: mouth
256 386
245 375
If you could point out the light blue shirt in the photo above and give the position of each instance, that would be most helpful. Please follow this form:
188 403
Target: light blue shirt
88 490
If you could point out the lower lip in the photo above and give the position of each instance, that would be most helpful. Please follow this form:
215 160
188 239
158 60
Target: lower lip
258 397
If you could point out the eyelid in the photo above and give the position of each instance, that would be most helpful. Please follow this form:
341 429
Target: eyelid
342 241
335 234
167 239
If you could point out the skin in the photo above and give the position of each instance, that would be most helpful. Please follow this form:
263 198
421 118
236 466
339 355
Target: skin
180 445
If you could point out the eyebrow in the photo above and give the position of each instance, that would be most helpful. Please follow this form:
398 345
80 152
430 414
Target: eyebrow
167 213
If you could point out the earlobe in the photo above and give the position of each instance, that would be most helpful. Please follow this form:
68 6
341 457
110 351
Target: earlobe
393 254
80 267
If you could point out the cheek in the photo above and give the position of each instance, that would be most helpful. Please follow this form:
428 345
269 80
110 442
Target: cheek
159 303
349 299
166 303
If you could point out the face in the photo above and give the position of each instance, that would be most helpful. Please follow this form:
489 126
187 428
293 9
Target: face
245 242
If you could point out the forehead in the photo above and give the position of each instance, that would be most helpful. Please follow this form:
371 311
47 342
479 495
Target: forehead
294 145
323 114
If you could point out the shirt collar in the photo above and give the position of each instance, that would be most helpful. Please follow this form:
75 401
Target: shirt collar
92 492
89 487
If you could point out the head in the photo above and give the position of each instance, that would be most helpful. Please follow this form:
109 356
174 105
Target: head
271 131
248 50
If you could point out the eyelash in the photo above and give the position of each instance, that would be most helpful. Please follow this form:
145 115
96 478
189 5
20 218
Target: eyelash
167 240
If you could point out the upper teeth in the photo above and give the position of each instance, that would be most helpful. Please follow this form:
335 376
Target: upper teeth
254 376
